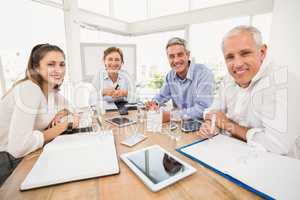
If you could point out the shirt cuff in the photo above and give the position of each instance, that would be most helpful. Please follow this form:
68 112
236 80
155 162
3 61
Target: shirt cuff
156 101
250 137
39 138
205 112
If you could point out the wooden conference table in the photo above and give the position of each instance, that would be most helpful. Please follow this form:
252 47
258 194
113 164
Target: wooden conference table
204 184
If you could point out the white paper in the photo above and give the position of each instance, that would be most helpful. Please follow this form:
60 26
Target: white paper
275 175
74 157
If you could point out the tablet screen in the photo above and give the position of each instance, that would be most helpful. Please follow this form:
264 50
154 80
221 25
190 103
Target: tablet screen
190 125
120 120
156 164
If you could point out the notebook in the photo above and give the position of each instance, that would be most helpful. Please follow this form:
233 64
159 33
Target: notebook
269 175
74 157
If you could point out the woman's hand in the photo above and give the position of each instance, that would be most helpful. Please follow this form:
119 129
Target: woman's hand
72 118
119 93
108 91
76 120
57 129
58 117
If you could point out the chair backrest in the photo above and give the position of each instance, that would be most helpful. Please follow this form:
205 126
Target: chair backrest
83 94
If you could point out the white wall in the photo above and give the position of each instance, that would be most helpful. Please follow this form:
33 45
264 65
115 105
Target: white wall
284 51
2 80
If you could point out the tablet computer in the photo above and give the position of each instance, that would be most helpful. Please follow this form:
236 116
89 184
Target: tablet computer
156 167
121 121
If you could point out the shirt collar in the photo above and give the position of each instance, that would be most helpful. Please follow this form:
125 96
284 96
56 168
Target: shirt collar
190 71
189 74
262 72
106 77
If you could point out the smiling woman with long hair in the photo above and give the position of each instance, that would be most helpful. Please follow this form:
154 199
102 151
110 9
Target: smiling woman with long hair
32 111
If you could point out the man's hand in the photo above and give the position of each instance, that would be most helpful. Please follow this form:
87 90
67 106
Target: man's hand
221 120
224 123
206 130
152 105
166 116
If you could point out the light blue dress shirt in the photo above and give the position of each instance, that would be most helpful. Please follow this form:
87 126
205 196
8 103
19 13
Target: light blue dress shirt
191 95
123 81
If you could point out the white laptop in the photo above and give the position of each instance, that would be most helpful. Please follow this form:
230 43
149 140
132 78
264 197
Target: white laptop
74 157
156 167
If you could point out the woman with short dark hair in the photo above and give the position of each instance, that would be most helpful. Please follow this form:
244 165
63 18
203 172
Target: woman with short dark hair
112 82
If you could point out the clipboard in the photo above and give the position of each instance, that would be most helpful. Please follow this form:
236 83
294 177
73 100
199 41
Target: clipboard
254 174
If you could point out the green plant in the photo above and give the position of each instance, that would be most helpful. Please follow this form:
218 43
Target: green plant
156 82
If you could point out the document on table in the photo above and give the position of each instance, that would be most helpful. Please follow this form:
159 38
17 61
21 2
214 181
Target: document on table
267 174
74 157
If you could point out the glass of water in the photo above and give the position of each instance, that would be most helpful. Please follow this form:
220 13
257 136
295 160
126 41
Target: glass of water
94 115
175 124
140 118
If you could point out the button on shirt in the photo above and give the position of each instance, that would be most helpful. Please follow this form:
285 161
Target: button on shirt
191 95
123 81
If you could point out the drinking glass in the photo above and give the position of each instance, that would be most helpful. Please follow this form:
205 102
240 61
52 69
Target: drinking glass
94 115
140 118
175 124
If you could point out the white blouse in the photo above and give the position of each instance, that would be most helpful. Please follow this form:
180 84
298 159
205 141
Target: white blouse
24 114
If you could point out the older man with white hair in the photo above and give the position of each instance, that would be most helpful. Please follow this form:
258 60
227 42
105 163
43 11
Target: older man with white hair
236 111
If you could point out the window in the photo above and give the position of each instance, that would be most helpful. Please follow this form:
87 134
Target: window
151 53
152 62
205 43
35 23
